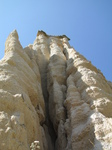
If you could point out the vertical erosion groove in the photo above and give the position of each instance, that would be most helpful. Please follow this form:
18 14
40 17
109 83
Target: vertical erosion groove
57 89
52 65
77 126
41 45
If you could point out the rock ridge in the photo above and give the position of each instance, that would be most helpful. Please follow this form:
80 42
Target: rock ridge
59 36
52 94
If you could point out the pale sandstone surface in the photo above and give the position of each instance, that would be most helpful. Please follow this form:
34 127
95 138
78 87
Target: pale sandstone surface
21 100
52 94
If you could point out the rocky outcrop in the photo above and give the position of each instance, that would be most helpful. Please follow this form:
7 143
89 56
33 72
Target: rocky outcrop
52 94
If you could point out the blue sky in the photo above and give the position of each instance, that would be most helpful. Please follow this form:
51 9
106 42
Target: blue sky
88 23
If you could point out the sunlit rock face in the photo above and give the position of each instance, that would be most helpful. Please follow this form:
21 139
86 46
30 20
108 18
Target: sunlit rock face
50 93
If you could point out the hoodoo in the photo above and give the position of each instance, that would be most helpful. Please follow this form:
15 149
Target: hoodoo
52 97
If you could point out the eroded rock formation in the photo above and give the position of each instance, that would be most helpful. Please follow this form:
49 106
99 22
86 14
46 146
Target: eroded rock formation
52 94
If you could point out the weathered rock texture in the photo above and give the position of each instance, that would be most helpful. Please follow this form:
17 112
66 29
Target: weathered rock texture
52 94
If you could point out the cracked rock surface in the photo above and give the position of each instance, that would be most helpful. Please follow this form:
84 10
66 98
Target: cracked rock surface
52 94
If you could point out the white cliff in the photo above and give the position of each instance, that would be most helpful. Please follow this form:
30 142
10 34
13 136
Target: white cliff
52 94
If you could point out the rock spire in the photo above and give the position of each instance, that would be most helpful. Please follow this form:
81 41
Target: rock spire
52 95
